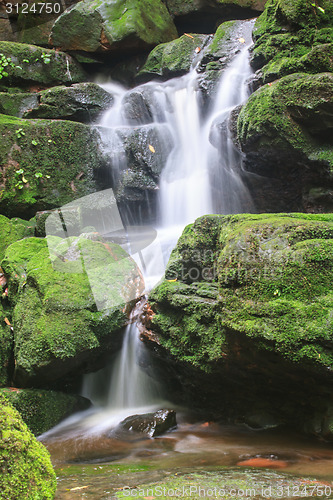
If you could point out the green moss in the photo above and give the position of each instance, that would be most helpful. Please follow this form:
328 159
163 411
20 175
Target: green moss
290 37
6 347
289 115
64 151
274 286
172 58
29 67
17 104
25 465
68 300
41 410
113 26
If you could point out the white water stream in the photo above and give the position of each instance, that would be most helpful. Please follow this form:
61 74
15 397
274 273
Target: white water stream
198 179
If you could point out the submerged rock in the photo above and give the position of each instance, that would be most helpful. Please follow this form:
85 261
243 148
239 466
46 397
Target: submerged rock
119 27
25 464
41 410
69 303
150 424
243 318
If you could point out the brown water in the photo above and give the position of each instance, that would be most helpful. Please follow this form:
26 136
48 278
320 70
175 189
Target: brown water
98 466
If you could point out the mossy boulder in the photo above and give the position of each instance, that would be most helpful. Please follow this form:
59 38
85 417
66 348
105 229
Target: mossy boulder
293 36
25 464
32 65
82 102
172 59
122 26
69 299
13 230
41 409
290 122
247 304
6 347
17 103
45 164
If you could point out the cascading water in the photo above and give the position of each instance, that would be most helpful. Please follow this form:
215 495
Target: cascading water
201 175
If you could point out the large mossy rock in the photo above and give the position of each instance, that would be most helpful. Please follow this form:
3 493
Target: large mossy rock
293 36
82 102
32 65
25 465
117 27
172 59
45 164
290 123
69 299
41 409
6 347
245 313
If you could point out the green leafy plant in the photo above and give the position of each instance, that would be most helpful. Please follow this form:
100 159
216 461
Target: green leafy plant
316 6
20 179
19 133
46 58
5 63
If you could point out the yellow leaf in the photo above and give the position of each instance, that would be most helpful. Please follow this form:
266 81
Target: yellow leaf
190 36
79 488
152 149
24 179
172 281
241 40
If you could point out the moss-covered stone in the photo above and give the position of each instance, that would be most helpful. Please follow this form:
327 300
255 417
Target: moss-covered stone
245 296
293 37
45 163
6 346
16 104
81 102
25 465
98 26
13 230
173 58
290 120
41 409
69 304
34 65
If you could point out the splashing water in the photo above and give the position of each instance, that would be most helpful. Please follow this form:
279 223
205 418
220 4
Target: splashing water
202 175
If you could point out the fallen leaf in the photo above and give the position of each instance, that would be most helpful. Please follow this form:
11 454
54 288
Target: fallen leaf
7 322
190 36
197 50
152 149
79 488
263 462
241 40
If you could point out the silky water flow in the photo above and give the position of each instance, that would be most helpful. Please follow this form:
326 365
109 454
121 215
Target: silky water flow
201 176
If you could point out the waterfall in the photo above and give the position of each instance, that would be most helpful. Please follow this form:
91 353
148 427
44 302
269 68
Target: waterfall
201 175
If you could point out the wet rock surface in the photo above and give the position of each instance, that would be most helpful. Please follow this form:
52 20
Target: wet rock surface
150 424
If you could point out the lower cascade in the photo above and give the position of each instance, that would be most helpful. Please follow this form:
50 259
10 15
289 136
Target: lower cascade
202 174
